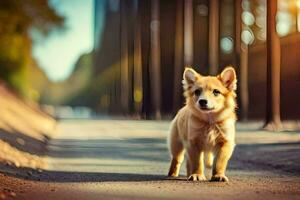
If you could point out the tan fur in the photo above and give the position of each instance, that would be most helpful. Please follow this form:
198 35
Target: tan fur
206 136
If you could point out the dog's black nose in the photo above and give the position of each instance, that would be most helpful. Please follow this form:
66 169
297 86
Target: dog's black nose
203 102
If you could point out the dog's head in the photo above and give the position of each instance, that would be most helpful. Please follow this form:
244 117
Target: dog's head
210 94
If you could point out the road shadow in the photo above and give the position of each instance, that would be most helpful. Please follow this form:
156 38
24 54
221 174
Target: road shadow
150 149
282 158
277 157
64 177
24 142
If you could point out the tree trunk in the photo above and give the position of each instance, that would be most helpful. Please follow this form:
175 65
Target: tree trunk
155 58
188 33
273 121
244 90
241 60
124 59
137 71
213 47
178 56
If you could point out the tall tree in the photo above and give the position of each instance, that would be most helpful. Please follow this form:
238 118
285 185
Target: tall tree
17 19
124 58
137 70
178 55
273 121
241 60
213 47
188 33
155 62
244 88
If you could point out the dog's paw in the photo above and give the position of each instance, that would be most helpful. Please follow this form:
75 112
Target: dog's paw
197 177
219 178
172 175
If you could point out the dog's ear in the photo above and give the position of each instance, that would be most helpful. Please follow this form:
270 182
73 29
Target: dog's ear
228 78
189 75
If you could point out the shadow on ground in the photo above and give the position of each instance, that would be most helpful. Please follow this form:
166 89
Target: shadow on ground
24 142
62 176
277 157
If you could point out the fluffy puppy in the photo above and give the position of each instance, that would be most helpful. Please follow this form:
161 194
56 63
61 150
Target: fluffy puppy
205 127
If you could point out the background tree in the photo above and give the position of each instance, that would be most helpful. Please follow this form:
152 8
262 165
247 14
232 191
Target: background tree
241 60
188 33
273 121
17 20
137 70
155 71
178 56
213 47
124 74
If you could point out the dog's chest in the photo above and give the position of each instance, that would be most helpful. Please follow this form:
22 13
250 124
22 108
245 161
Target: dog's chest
206 136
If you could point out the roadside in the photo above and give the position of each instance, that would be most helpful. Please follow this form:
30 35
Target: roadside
24 130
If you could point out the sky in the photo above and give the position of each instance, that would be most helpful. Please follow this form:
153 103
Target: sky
57 53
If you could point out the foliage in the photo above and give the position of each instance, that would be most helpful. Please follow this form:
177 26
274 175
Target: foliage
17 19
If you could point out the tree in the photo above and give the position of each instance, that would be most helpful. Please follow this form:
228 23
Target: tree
17 19
213 47
137 70
124 58
241 60
273 121
178 55
155 73
188 33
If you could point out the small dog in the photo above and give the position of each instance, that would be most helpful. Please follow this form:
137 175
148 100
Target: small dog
205 126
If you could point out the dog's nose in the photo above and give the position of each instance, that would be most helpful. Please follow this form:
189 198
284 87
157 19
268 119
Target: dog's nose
203 102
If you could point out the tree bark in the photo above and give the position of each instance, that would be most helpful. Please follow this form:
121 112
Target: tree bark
213 47
124 72
188 33
241 59
273 121
137 71
178 56
155 73
244 88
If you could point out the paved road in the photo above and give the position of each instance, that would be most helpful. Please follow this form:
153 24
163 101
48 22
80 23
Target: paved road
115 159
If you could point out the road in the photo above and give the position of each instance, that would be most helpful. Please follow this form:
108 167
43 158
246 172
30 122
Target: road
122 159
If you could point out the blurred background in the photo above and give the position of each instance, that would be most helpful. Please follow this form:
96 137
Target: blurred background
98 58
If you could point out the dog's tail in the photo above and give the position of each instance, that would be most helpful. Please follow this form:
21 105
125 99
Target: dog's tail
209 159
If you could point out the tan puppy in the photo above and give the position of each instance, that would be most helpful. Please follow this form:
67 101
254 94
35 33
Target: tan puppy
205 126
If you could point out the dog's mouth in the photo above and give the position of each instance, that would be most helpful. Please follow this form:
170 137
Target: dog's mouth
206 109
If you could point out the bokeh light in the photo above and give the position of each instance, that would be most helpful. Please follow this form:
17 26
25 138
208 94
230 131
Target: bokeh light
247 36
248 18
284 23
226 44
246 5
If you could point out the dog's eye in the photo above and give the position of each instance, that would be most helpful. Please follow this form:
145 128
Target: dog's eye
216 92
197 92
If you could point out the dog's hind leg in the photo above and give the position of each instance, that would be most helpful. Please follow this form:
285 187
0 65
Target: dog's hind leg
176 150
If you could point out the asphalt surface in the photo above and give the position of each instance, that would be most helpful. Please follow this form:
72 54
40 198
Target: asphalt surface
118 159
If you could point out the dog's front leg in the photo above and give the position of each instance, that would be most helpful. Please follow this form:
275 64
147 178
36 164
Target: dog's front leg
223 153
196 164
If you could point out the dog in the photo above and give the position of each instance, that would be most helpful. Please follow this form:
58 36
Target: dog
205 127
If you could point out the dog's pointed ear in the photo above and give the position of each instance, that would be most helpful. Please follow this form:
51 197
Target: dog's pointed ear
189 75
228 78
